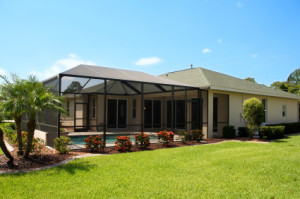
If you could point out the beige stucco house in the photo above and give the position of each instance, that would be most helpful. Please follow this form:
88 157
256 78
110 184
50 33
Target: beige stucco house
101 99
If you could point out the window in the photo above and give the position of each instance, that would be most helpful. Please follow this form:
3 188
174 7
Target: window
94 108
283 110
134 108
68 107
264 102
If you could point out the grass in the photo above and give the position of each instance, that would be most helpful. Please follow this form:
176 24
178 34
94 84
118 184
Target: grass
1 151
226 170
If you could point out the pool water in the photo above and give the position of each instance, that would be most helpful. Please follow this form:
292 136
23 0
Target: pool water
110 139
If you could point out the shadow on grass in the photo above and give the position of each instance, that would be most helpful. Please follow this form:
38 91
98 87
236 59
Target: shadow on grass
75 166
283 140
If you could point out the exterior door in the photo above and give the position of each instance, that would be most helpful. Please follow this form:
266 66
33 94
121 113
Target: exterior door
116 113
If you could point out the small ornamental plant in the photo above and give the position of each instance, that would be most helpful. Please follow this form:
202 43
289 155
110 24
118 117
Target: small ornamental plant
165 137
37 144
142 140
94 144
61 144
123 143
191 136
196 135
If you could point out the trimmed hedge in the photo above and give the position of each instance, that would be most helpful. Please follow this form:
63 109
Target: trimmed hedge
229 132
271 132
293 127
243 132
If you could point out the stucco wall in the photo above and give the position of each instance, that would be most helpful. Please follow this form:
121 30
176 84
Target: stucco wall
273 109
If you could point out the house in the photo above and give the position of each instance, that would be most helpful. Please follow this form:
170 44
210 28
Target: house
102 99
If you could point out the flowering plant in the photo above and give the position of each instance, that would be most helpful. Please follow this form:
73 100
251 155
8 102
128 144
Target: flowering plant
61 144
123 143
94 144
197 135
193 135
37 143
166 137
143 140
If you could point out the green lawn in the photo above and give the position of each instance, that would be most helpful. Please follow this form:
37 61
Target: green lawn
226 170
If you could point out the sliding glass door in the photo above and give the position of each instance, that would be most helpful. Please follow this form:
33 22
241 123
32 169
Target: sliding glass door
117 113
152 114
179 114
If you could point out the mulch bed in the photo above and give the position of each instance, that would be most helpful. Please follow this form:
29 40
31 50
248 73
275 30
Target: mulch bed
49 156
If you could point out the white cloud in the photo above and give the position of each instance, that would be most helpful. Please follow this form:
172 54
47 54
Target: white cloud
148 61
254 56
219 40
239 4
61 65
206 50
3 72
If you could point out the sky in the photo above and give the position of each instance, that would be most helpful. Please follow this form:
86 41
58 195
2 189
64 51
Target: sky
246 38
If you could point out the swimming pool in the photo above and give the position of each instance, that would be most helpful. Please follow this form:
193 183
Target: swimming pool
109 138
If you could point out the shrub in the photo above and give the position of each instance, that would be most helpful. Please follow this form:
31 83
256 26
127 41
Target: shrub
37 144
253 113
229 132
293 127
94 144
243 131
9 133
197 135
166 137
12 126
61 144
143 140
271 132
62 130
184 136
123 143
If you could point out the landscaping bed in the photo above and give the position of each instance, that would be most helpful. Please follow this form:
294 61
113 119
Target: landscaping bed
49 156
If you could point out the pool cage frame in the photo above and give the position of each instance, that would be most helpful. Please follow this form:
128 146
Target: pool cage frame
167 89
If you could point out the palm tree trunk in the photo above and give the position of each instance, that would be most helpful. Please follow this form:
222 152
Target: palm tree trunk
30 133
4 149
18 121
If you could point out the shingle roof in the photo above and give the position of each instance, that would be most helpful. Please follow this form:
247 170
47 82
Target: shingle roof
208 79
119 74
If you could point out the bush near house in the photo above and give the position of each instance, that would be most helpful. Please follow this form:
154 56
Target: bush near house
123 143
253 113
293 127
243 131
94 143
229 131
142 140
11 135
165 137
193 135
61 144
271 132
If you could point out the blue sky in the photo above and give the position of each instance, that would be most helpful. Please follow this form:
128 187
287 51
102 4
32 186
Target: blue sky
256 38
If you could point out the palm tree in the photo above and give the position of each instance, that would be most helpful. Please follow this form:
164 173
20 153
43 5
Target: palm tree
12 101
38 99
3 146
